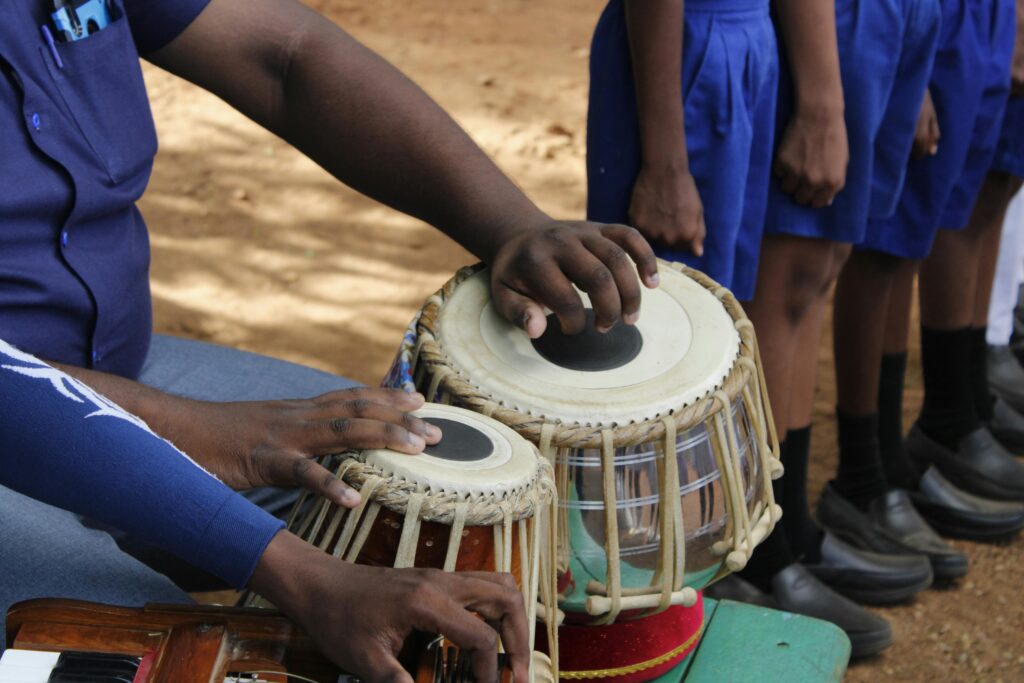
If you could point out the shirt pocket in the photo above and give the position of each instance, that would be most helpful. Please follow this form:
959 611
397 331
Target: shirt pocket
99 80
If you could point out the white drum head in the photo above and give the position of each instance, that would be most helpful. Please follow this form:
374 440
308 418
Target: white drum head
689 344
476 456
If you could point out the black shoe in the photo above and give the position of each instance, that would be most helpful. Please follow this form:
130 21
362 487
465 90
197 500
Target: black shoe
979 465
796 590
1007 425
867 577
1006 376
957 513
890 526
738 589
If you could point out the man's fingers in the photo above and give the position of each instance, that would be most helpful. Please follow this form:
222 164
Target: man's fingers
382 667
552 288
317 479
618 263
591 275
472 635
520 310
496 598
328 413
334 434
396 398
638 249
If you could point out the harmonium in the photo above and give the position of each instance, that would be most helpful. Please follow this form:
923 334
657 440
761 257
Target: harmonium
69 641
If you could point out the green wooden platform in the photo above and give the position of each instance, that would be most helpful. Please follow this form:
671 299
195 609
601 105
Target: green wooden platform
748 644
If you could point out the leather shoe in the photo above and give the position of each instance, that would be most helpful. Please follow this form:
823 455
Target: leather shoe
738 589
957 513
890 526
796 590
868 577
1006 376
1007 425
979 465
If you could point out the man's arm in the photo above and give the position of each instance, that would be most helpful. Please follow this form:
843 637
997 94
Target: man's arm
300 76
248 444
814 151
665 205
65 444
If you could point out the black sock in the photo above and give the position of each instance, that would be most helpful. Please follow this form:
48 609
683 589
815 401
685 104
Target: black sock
899 470
979 374
772 555
861 476
803 534
948 411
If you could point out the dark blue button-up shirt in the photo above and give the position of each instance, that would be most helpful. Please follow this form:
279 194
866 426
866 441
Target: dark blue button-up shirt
76 147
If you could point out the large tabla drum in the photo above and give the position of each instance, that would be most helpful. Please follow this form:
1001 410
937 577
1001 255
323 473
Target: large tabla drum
637 532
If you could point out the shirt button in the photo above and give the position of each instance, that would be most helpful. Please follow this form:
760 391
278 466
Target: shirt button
37 122
64 239
95 357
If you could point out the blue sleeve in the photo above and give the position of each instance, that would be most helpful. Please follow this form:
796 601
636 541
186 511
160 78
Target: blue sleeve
155 23
64 444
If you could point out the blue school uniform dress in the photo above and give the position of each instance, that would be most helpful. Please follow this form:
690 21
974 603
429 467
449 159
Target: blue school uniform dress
730 75
1009 156
886 49
969 86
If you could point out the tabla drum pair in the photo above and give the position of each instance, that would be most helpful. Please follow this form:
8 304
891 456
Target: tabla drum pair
480 500
637 532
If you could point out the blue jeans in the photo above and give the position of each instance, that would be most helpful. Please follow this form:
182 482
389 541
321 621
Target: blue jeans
49 552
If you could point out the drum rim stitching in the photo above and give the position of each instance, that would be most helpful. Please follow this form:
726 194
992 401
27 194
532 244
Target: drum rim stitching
394 493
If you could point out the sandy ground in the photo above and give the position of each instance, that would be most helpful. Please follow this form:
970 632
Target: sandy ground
256 247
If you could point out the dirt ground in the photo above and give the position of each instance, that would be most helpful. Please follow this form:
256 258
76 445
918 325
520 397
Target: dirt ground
256 247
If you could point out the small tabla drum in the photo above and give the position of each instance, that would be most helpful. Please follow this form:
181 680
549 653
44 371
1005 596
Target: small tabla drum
637 532
482 499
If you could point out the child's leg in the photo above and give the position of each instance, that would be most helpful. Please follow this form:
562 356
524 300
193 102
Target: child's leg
858 333
899 470
793 274
956 282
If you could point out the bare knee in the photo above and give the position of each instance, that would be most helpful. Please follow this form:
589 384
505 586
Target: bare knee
807 282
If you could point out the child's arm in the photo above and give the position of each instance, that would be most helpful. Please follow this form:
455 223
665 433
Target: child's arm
665 206
813 152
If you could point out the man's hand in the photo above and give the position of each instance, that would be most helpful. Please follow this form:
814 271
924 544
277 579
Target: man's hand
812 157
360 616
273 443
538 268
926 137
666 208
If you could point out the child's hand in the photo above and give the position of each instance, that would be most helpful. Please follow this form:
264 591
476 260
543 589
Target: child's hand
926 137
812 156
666 208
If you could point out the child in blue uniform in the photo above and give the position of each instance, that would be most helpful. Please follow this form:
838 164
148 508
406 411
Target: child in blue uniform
968 86
716 70
885 49
684 154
